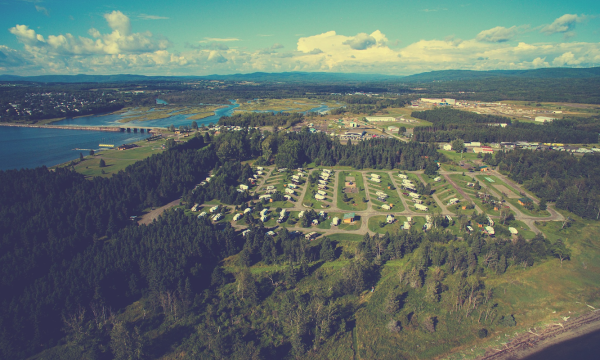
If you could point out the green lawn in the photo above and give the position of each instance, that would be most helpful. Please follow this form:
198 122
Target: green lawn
534 212
359 205
393 196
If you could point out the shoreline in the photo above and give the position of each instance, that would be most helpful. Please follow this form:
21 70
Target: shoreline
532 342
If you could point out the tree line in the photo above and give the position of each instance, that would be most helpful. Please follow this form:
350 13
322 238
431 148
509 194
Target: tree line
450 124
572 182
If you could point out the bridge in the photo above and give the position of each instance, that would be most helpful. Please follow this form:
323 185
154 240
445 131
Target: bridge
89 128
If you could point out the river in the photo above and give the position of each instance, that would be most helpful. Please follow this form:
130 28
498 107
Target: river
33 147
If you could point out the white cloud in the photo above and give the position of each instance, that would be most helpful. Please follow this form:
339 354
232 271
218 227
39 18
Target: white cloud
42 10
209 39
152 17
119 22
120 41
361 41
564 24
11 58
498 34
123 51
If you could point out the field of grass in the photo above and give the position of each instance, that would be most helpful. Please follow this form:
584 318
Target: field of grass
291 105
162 112
456 157
359 205
319 205
393 196
114 159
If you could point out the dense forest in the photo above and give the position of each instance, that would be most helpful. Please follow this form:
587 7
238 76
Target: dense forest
450 124
296 149
571 90
571 182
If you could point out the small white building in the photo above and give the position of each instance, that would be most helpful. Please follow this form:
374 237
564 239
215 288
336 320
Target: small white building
214 208
290 191
406 225
513 230
319 197
390 219
243 187
321 192
245 232
447 147
335 221
217 217
377 180
386 207
264 212
402 176
301 214
264 218
236 217
413 195
247 210
375 176
490 230
437 179
202 214
421 207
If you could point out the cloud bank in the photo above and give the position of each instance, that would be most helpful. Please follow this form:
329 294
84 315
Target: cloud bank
125 51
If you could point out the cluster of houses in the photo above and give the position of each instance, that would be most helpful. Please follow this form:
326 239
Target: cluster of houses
478 148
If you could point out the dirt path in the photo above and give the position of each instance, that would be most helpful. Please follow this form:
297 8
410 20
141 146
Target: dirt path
154 214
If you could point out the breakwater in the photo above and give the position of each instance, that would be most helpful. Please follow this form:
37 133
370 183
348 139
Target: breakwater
76 127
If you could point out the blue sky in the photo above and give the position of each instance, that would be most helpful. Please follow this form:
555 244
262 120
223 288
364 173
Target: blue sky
222 37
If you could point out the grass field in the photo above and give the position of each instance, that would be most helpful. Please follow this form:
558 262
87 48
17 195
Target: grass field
359 205
309 197
393 196
116 160
291 105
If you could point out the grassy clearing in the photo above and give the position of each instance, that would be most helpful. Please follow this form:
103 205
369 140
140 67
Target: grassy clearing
535 212
356 199
114 159
309 197
456 157
291 105
393 196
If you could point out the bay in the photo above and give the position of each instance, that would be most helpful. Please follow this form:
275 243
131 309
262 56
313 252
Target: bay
22 147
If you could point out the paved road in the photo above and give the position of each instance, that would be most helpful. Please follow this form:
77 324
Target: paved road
369 212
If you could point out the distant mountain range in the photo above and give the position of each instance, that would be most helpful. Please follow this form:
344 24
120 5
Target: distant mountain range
546 73
443 75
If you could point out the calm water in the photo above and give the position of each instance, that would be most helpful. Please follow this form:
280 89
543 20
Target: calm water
30 147
586 347
177 120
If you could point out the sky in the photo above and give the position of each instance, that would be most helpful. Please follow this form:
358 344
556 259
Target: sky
205 37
